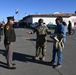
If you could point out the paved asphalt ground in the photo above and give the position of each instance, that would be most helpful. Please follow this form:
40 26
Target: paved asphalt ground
24 52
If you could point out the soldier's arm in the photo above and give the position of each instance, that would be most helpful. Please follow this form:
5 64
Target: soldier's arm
32 32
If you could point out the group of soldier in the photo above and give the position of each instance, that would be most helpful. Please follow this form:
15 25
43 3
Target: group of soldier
41 41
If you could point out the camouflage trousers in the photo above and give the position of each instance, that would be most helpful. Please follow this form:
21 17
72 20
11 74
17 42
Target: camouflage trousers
40 48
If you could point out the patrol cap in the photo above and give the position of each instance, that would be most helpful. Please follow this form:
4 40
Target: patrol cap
40 20
10 18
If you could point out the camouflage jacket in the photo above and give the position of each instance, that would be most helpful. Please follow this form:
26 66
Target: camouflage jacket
41 32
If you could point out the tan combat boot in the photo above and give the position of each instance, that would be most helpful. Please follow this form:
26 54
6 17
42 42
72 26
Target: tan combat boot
43 58
36 58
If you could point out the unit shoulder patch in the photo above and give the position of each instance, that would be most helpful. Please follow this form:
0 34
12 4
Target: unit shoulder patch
7 27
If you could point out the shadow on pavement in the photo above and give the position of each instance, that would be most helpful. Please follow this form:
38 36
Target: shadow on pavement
35 40
2 64
29 58
31 39
3 52
22 58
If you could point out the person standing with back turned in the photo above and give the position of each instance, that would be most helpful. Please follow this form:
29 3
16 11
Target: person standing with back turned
69 27
9 38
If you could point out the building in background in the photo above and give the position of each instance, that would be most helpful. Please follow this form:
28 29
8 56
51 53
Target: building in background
50 18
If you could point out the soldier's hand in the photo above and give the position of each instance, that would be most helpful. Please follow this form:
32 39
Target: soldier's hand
29 32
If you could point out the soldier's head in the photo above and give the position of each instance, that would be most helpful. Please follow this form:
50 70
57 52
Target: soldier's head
11 19
40 21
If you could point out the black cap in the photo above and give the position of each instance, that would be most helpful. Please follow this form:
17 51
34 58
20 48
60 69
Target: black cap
59 18
10 18
40 20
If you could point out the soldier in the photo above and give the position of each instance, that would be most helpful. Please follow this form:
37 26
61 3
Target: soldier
9 38
41 39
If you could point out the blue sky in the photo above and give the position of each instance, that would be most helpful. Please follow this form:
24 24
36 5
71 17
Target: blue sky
8 7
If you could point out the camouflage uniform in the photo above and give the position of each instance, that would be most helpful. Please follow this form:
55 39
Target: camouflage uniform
41 40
